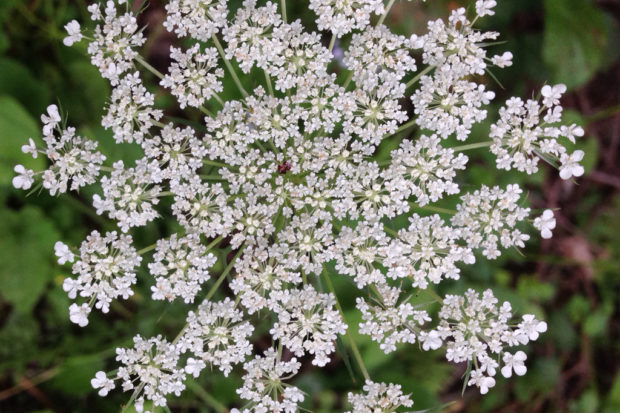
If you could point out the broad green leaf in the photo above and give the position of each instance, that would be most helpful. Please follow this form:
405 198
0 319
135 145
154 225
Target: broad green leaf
26 251
574 40
75 374
16 126
18 81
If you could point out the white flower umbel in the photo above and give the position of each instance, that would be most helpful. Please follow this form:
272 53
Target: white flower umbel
74 160
194 76
339 138
427 251
489 216
388 321
529 131
115 38
151 369
199 19
217 334
476 330
425 169
130 111
129 195
261 278
340 17
379 397
308 323
264 384
105 270
180 267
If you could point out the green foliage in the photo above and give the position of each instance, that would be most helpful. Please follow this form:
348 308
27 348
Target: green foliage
16 126
573 55
25 268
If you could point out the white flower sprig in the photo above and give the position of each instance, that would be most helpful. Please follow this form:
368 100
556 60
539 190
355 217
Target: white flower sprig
286 175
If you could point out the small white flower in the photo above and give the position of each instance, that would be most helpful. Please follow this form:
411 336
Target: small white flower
78 314
485 7
514 362
552 94
531 327
379 397
194 366
430 341
484 383
51 120
62 251
545 223
102 382
31 148
24 179
570 165
73 29
503 60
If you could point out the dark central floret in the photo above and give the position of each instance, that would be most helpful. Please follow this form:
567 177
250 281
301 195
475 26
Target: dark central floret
284 167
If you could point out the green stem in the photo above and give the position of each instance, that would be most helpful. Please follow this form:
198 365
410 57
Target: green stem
148 67
224 274
433 294
402 127
214 163
268 81
214 242
390 231
387 10
332 42
432 208
147 249
206 111
206 397
219 99
472 146
283 7
348 80
354 349
418 76
220 49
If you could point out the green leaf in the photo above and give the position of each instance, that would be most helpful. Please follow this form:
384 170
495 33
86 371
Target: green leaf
16 126
75 374
574 40
26 247
18 82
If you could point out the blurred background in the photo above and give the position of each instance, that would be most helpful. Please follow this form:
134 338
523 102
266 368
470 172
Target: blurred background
572 280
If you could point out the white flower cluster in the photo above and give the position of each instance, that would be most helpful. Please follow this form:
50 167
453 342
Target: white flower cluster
75 161
194 75
151 369
114 40
264 386
130 111
389 322
285 178
180 266
489 216
308 323
476 330
340 17
379 397
217 334
106 269
529 131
